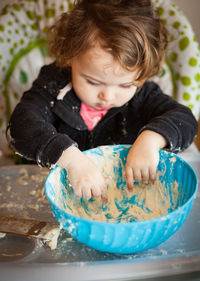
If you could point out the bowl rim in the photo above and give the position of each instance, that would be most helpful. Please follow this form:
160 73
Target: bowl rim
160 218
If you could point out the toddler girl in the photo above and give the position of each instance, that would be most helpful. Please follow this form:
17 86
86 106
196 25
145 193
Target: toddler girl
96 93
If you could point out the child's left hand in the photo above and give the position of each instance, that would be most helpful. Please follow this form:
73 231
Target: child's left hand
143 158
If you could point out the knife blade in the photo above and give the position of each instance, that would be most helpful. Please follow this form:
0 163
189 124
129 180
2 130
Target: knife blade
27 227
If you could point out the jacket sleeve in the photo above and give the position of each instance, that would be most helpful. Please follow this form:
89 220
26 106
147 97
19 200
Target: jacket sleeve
31 130
167 117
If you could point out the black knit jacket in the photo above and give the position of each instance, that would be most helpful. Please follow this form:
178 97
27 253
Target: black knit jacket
42 127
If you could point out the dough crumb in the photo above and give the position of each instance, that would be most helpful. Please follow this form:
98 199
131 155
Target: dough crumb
50 236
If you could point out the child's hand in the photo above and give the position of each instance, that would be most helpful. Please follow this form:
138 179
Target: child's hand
143 158
84 176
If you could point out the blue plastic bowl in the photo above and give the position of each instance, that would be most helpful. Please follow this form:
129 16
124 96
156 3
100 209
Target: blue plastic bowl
131 236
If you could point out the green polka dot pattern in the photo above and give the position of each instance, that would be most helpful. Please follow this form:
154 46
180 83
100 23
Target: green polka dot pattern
183 55
23 24
22 39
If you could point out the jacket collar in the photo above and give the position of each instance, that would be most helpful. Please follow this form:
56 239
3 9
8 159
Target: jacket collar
68 109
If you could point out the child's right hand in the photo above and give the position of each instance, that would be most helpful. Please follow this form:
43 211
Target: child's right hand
84 176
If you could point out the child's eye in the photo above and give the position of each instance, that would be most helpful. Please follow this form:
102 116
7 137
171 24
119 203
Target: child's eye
126 86
93 82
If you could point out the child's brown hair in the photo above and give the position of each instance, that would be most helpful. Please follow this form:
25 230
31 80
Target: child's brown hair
128 29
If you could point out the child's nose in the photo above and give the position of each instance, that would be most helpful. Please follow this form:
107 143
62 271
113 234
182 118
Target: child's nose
106 94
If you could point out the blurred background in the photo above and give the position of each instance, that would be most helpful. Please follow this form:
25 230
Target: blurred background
191 9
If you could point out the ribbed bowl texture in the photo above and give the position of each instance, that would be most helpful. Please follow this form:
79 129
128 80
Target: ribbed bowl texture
123 232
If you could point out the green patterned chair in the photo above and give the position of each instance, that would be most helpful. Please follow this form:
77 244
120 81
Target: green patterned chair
23 24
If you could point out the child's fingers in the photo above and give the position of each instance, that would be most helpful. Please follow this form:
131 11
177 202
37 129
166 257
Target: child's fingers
78 190
101 187
87 193
137 175
82 189
104 195
129 178
153 176
88 189
145 176
96 191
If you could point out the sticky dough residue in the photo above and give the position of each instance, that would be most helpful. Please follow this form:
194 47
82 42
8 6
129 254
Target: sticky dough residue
145 202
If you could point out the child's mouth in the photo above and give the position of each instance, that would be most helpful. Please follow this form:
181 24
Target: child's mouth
104 106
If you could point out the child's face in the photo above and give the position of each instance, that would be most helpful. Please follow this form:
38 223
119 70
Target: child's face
100 81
